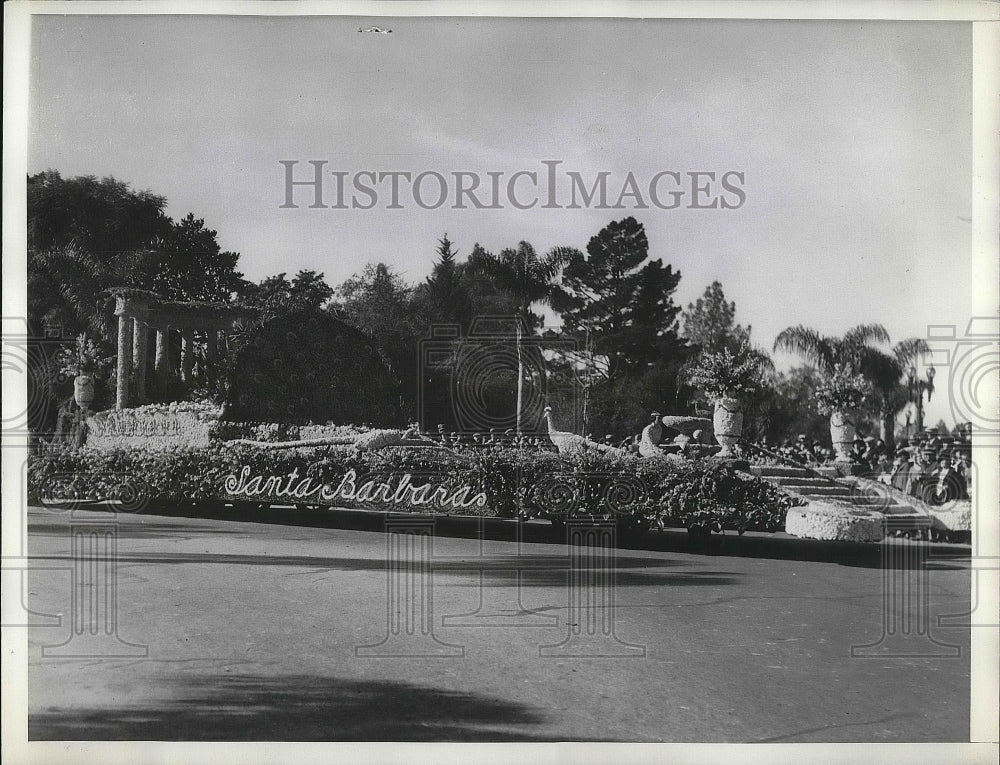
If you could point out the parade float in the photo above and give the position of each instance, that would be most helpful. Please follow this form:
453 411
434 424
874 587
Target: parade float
308 416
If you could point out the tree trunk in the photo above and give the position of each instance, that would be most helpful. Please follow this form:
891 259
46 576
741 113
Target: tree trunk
888 434
520 380
543 383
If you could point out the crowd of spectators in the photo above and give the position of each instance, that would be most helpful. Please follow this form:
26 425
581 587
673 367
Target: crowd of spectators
934 467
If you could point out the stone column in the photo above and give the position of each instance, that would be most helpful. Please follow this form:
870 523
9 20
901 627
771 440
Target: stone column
212 347
187 354
124 368
139 338
161 363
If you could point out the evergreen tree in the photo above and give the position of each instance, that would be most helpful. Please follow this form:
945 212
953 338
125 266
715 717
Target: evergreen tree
379 303
190 264
619 302
445 291
622 299
276 295
710 322
103 217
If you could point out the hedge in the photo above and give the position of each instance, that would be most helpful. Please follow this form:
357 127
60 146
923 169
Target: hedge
705 495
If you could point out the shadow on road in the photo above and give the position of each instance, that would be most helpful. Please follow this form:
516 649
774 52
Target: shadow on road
533 570
730 544
298 708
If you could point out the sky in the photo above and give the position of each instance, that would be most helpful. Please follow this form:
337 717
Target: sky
853 138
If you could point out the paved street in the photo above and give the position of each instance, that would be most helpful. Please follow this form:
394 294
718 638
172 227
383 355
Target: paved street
282 632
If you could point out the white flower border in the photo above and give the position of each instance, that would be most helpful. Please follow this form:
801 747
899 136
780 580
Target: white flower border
956 516
819 520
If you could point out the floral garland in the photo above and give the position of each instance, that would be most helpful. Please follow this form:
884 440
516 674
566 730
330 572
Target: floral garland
704 496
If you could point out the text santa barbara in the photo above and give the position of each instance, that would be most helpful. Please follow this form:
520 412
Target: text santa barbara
294 487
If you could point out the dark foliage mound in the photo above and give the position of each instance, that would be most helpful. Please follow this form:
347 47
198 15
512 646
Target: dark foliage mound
308 366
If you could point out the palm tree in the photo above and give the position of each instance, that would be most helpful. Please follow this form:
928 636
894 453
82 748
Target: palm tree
855 351
530 280
64 289
886 371
838 359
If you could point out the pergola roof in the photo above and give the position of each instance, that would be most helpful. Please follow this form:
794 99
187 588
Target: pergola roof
181 314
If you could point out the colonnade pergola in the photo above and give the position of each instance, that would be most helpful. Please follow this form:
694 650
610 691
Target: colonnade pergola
201 326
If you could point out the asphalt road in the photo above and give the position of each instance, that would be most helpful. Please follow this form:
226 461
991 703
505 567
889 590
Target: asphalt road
229 630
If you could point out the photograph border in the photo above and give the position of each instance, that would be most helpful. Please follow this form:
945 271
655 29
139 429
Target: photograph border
984 301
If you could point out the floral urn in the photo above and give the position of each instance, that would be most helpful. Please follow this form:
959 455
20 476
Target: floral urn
83 390
728 424
842 434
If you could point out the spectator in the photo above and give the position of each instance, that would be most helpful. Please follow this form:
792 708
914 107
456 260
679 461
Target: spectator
946 482
806 451
919 483
875 454
900 477
881 462
965 471
857 453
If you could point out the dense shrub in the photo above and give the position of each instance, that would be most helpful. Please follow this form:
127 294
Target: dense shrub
708 495
308 366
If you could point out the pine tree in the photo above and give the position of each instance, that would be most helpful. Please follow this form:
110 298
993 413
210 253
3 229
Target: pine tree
710 322
622 299
619 302
446 295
